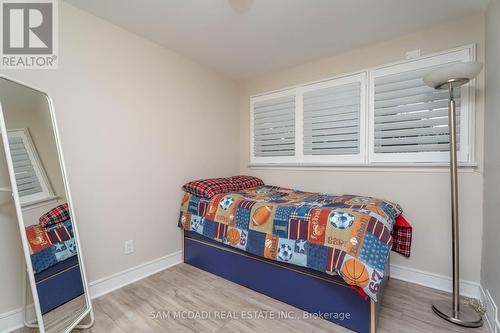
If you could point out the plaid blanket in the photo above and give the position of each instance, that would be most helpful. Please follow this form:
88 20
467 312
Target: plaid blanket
56 215
401 236
346 235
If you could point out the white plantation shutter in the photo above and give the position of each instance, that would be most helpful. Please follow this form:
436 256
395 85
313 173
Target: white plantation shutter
31 181
410 116
381 115
410 119
274 126
332 117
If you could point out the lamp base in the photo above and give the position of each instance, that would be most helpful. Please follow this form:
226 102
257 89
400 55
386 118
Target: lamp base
467 316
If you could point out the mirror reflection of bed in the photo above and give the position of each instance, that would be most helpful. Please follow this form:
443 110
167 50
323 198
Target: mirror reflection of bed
44 205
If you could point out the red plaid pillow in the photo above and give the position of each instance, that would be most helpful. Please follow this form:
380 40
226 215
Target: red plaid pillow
55 215
207 188
244 182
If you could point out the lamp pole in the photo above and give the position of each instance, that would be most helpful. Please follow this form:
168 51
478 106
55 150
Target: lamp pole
454 201
463 316
452 76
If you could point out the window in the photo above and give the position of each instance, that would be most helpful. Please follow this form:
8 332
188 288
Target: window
333 121
381 115
409 120
273 124
32 183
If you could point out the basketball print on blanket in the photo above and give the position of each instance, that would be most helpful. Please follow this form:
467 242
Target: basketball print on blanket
233 236
355 272
237 238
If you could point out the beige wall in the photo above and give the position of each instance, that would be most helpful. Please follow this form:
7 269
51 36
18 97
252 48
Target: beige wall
132 117
490 272
424 194
134 120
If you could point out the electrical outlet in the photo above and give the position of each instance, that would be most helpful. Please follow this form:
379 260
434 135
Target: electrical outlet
129 247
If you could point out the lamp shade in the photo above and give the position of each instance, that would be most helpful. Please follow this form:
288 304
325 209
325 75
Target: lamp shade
459 73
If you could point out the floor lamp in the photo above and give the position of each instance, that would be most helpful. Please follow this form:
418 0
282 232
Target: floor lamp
450 77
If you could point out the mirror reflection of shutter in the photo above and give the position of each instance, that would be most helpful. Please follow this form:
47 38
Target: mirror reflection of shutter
274 127
26 178
31 179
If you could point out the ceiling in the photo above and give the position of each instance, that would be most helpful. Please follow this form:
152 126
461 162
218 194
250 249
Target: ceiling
246 38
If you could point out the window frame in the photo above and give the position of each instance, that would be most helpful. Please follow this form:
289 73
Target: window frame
367 157
466 93
271 159
334 82
47 193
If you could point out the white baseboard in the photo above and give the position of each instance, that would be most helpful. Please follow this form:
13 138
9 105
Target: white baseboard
491 315
436 281
118 280
13 320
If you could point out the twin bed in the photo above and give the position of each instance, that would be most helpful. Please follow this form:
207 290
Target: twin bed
321 253
324 254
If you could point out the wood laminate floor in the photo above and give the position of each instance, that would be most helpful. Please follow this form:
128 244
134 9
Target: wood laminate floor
63 316
405 307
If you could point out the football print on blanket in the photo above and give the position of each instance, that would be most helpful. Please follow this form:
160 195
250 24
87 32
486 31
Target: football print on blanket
262 217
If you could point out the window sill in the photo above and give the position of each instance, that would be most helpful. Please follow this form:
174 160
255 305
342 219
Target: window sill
374 167
39 203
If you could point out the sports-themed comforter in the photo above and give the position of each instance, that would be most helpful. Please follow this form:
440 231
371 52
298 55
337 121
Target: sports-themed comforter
50 245
346 235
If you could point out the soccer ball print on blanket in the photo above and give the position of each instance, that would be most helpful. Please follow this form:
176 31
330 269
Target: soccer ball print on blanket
341 220
345 235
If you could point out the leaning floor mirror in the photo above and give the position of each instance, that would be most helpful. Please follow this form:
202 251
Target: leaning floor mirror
44 210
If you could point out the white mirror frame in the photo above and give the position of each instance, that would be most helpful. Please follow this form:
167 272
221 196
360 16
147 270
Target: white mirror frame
17 202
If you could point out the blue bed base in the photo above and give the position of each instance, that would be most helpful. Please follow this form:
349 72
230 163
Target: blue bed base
311 291
59 284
